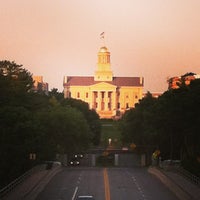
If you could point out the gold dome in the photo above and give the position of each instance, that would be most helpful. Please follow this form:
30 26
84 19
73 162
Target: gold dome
103 49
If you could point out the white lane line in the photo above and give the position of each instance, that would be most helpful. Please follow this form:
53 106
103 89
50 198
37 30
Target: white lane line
79 180
75 191
139 188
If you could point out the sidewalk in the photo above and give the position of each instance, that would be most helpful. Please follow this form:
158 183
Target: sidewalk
183 188
32 186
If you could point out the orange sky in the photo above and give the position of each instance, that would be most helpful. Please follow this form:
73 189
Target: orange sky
155 39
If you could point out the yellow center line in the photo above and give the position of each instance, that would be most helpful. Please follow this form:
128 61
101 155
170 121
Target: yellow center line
106 184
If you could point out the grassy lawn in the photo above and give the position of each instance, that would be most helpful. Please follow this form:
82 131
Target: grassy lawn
110 130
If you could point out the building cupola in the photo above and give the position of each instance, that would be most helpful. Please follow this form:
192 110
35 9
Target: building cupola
103 72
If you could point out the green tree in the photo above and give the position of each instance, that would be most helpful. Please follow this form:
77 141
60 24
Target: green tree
15 120
15 81
33 122
90 115
58 95
176 121
169 122
57 98
18 137
65 129
137 123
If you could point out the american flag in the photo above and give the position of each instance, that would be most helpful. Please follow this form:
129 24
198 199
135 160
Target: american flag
102 35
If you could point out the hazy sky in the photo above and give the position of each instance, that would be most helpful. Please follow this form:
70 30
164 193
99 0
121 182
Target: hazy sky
155 39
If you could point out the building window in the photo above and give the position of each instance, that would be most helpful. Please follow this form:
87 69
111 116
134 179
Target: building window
127 106
118 105
86 94
78 95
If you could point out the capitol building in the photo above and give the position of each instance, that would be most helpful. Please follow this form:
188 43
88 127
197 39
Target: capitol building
110 96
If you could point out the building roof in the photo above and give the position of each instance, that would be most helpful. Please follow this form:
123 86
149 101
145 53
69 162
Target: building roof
103 49
118 81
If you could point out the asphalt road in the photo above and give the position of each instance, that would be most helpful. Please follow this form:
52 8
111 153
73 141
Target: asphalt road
105 184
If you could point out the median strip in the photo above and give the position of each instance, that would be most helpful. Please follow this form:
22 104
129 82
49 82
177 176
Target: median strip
106 184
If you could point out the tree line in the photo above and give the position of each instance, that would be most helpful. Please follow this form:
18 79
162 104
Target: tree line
34 127
169 123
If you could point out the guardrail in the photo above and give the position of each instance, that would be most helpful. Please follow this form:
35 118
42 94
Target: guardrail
175 165
19 180
191 177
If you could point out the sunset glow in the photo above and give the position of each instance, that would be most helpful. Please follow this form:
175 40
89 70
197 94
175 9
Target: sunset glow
155 39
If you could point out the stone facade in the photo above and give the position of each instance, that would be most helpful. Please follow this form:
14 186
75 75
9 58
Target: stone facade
39 85
177 81
110 96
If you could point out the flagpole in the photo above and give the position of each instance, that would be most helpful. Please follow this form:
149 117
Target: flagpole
102 38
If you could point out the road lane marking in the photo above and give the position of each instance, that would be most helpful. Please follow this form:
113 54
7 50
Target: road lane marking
75 191
106 184
139 188
78 183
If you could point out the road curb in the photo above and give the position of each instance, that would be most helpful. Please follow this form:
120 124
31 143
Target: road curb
176 189
32 195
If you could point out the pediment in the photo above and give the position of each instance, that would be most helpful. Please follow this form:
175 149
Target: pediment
103 86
